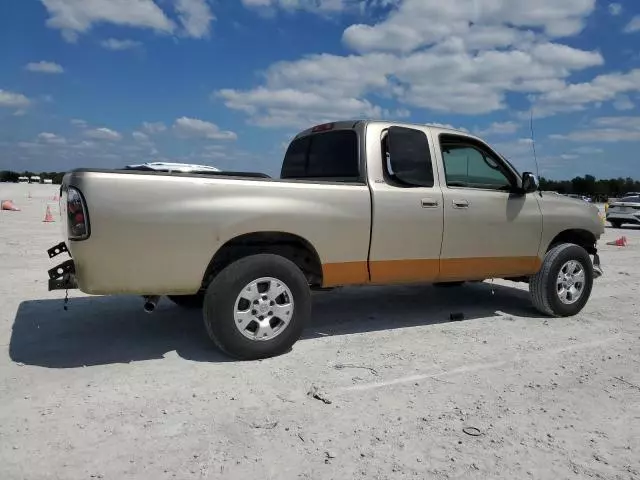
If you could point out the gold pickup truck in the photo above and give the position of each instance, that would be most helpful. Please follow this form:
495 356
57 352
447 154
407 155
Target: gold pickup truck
357 203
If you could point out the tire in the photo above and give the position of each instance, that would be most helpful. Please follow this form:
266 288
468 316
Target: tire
188 301
543 286
223 302
615 224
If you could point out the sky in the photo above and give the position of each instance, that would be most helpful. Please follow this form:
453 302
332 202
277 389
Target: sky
107 83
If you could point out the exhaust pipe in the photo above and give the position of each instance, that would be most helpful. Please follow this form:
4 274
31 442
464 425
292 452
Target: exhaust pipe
150 303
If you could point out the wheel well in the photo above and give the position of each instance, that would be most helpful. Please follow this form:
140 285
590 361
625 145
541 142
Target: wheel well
584 238
287 245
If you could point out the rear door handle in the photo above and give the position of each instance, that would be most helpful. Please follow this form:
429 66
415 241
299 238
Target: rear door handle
460 204
429 203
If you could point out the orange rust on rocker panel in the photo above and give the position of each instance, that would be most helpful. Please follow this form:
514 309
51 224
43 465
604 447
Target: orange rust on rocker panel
347 273
427 270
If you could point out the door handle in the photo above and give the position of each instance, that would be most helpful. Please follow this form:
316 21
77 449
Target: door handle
429 203
460 204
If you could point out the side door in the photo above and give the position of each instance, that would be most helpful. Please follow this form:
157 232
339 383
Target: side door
491 229
407 211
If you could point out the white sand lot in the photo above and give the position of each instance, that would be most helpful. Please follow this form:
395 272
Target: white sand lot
104 390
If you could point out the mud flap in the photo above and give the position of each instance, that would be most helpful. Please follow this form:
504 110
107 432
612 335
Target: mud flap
597 268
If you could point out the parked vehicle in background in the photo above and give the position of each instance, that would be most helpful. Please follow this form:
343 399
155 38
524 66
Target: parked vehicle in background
357 203
580 197
625 210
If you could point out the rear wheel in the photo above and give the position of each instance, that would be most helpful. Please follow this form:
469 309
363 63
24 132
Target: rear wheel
257 307
188 301
563 285
615 224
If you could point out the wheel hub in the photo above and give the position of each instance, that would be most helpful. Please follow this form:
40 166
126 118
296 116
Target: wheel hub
571 282
263 309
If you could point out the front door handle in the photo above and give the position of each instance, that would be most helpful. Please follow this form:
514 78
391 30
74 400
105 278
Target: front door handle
460 204
429 203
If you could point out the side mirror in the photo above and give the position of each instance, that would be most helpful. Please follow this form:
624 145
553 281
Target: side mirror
530 182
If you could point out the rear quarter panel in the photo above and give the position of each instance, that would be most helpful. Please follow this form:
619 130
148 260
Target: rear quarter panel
155 234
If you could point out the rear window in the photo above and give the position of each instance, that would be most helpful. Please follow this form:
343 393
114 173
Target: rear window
331 156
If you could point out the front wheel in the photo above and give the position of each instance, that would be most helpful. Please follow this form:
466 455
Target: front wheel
257 307
563 285
615 224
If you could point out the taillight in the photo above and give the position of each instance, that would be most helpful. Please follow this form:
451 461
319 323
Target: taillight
77 223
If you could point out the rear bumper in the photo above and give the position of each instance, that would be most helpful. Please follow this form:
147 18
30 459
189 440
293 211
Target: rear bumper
63 275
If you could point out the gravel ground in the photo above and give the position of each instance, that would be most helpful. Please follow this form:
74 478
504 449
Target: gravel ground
105 391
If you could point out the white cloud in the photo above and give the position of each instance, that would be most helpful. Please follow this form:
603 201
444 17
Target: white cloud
44 67
84 145
576 97
605 130
320 6
77 122
51 138
623 103
196 128
140 137
153 127
615 9
195 17
456 57
13 100
74 17
117 45
418 23
103 134
587 150
295 108
498 128
326 86
633 26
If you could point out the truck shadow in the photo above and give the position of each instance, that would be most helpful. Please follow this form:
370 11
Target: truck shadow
114 329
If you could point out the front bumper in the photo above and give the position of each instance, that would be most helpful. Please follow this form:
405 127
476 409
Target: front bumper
62 276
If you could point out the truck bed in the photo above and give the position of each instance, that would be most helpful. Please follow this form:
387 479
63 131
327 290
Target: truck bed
156 232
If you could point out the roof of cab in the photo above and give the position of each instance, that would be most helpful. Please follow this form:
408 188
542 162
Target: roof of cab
349 124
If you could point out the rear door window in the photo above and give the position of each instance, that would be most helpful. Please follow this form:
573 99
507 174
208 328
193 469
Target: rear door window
330 156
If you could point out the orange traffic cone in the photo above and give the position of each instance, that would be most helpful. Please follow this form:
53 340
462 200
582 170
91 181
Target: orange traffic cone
47 216
9 206
620 242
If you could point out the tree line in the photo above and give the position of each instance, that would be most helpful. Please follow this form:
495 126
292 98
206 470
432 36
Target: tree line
587 185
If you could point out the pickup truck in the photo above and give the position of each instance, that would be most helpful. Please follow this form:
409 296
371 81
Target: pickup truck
357 203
